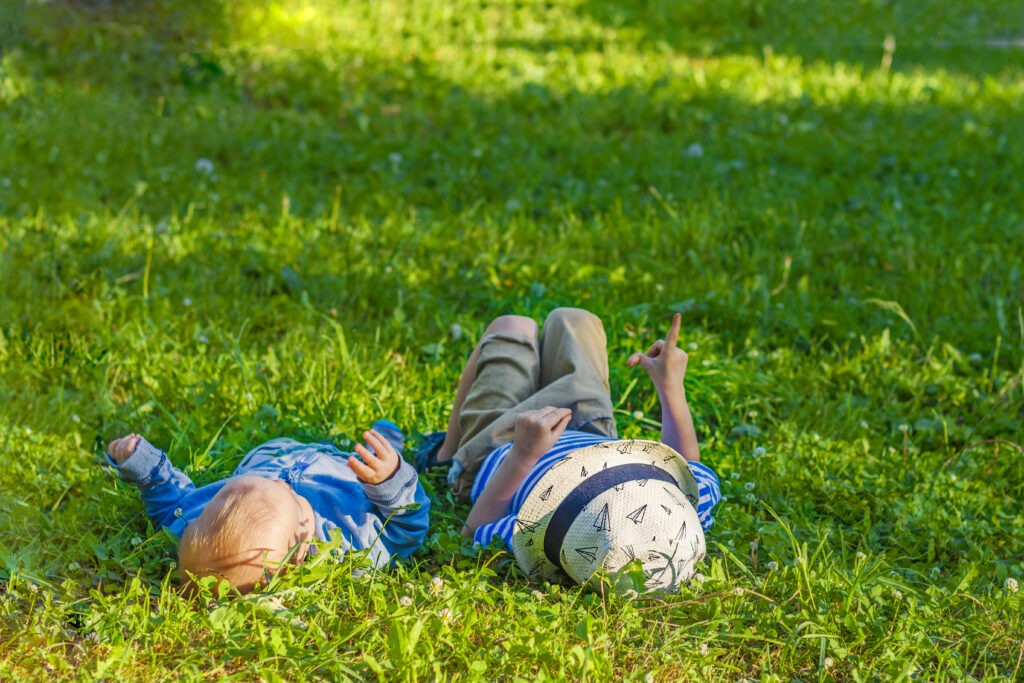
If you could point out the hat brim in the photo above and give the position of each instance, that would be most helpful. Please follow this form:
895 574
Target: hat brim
574 470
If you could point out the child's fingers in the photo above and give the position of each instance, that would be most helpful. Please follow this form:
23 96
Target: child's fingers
362 471
381 447
673 332
371 459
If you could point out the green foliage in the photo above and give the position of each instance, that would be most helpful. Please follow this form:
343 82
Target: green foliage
224 222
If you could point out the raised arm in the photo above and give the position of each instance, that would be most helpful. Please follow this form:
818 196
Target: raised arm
665 362
161 485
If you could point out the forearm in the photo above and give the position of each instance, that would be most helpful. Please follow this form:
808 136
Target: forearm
161 485
677 429
404 508
494 500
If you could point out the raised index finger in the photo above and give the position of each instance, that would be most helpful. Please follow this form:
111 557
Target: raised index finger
673 332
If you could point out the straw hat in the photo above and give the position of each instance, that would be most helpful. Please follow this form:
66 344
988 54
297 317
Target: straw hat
605 506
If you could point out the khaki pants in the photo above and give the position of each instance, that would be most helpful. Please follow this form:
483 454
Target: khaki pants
568 370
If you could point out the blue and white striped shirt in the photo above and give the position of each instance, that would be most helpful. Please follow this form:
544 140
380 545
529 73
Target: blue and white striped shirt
709 489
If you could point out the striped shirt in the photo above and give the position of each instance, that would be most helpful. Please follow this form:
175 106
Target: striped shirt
707 484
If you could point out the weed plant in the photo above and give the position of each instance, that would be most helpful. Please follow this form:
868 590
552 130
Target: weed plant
224 222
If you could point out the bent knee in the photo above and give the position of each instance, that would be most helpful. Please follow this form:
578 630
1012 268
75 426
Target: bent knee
572 317
516 325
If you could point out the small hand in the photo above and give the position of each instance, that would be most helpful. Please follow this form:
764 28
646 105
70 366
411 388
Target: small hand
538 430
378 466
664 361
121 449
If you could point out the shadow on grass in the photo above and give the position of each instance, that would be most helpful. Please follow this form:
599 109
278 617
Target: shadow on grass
861 195
971 38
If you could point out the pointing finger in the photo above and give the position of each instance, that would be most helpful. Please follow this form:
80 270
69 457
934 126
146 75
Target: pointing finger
673 332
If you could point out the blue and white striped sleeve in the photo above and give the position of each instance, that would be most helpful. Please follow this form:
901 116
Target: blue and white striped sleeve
502 528
709 490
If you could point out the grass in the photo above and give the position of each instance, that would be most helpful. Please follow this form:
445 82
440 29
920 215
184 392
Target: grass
226 222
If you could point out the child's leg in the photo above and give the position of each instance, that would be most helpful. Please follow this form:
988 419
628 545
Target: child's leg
574 369
502 372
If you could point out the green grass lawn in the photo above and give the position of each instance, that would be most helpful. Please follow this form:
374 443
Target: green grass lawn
221 223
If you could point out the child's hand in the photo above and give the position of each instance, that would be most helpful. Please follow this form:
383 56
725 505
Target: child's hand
664 362
121 449
538 430
375 469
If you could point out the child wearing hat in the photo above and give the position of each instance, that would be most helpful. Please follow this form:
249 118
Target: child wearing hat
532 443
282 496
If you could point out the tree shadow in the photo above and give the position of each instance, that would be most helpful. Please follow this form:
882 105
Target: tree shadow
385 147
975 39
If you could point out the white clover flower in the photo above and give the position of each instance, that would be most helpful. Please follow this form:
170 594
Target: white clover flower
750 498
92 637
759 452
863 424
772 566
754 545
513 205
750 486
203 339
698 577
695 150
737 591
829 663
692 346
436 585
649 677
136 541
405 601
638 414
704 649
904 427
936 572
172 564
395 158
898 594
76 419
1010 584
204 166
861 556
732 543
455 331
734 475
444 613
74 566
409 585
705 362
798 560
186 301
537 594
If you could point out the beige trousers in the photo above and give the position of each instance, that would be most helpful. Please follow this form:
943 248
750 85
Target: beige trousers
568 369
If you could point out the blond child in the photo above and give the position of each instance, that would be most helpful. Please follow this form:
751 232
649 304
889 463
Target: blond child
282 496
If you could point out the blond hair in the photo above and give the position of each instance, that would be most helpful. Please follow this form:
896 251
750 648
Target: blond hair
240 536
